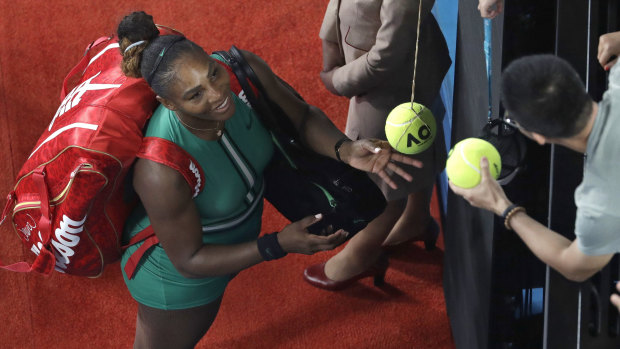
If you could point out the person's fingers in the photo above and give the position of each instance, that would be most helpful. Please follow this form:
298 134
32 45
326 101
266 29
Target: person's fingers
371 147
384 176
611 64
453 187
381 163
329 242
615 300
337 236
485 12
382 144
309 220
484 169
603 58
490 9
327 230
399 171
406 160
601 46
335 239
465 193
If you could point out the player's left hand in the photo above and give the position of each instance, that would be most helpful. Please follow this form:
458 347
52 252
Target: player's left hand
375 156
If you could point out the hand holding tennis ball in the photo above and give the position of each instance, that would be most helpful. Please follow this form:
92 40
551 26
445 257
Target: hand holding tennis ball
410 129
463 164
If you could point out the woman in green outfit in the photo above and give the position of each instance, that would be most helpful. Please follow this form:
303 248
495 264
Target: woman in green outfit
207 239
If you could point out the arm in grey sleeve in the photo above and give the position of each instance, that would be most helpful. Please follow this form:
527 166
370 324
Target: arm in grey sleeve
597 233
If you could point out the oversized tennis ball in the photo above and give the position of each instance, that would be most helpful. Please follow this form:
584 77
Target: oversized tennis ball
463 164
410 130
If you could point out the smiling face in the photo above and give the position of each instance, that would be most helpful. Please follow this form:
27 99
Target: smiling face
200 89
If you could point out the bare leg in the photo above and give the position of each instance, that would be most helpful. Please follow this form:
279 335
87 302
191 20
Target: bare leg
156 328
414 220
365 247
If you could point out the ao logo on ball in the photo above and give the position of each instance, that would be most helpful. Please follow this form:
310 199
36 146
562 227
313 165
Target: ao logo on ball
410 129
424 133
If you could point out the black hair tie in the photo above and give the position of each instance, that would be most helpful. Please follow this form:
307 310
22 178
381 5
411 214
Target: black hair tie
176 39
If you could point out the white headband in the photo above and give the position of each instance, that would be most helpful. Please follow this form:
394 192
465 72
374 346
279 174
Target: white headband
134 45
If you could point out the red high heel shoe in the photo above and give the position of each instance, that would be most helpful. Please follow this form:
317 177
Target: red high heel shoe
315 275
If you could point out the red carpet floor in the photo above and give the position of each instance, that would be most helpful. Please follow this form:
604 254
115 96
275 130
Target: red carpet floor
268 306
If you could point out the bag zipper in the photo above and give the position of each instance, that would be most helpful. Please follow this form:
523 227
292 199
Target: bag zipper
21 206
332 202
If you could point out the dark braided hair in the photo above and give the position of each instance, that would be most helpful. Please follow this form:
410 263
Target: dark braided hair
143 60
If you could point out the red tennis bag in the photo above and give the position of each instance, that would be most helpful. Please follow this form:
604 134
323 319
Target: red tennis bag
68 205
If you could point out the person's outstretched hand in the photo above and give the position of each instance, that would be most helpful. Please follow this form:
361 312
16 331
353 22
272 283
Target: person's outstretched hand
608 47
488 195
375 156
295 238
490 8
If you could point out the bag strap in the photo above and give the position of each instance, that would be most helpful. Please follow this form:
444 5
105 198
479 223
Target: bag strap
235 67
82 64
10 200
150 239
45 261
172 155
44 264
488 57
247 77
167 153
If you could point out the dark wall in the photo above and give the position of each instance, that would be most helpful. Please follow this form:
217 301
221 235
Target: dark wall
489 274
579 314
469 231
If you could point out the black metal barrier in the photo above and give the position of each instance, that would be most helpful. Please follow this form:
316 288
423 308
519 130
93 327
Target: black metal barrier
498 294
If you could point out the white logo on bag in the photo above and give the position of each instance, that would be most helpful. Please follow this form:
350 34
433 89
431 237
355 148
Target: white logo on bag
27 230
194 169
64 238
36 249
74 98
244 98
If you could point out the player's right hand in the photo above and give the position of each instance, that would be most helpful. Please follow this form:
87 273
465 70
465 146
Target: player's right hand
295 238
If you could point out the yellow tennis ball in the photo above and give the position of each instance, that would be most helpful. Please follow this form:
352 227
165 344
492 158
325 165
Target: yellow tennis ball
410 130
463 164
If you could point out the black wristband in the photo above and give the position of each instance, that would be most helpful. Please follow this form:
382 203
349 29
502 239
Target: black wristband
507 210
338 145
269 247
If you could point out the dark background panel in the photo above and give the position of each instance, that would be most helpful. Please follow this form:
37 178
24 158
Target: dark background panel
469 231
498 294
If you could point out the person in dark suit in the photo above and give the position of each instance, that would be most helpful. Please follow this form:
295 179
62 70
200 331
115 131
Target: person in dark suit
369 51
